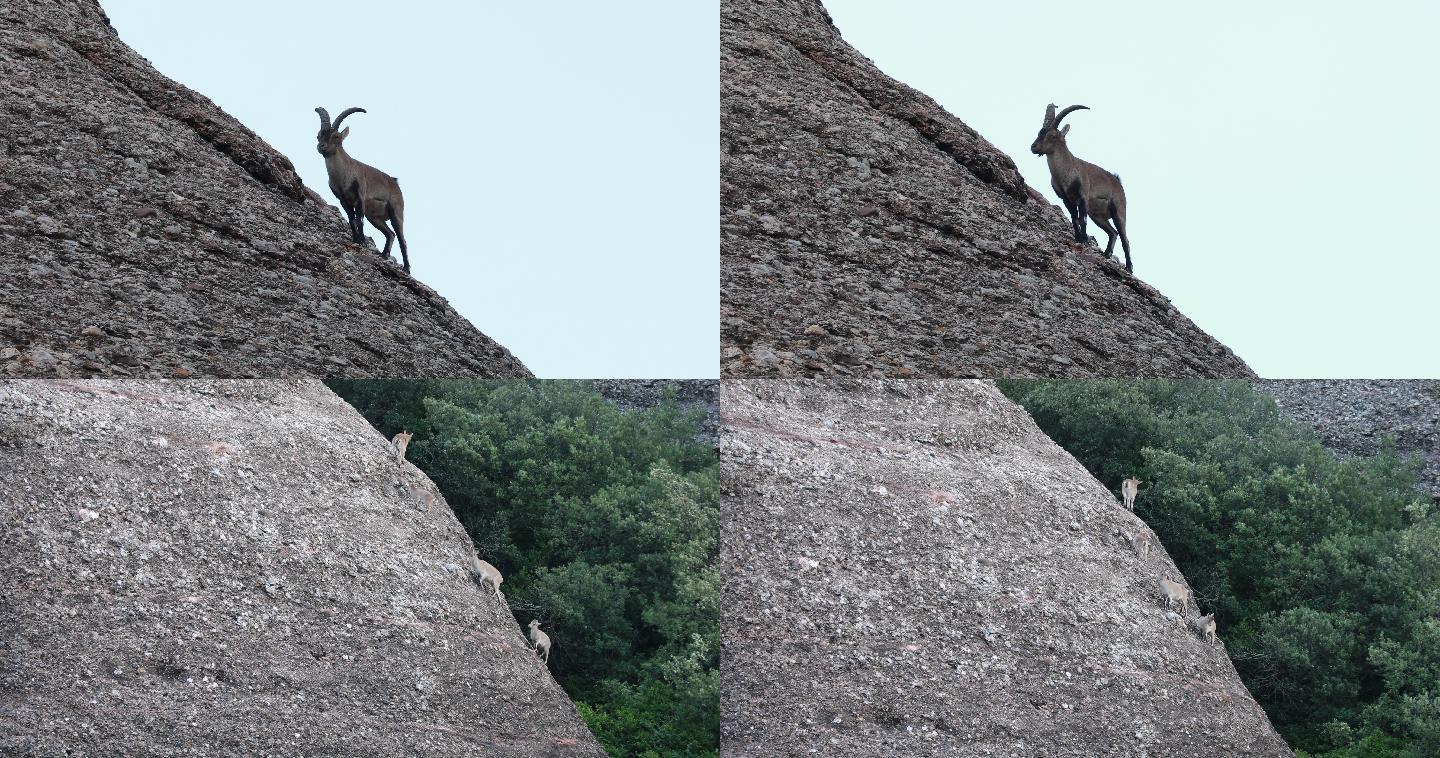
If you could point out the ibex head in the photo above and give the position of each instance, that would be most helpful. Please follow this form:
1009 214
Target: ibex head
1051 136
329 139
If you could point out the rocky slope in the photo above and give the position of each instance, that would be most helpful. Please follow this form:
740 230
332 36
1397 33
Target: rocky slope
145 232
865 231
1352 417
914 568
215 568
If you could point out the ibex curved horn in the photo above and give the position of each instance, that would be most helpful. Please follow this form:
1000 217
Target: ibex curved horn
345 113
1062 114
324 119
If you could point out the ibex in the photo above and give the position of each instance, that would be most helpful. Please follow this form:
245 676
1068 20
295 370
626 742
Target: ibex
1140 542
364 191
541 640
1128 490
1205 625
1085 188
1175 592
401 441
488 575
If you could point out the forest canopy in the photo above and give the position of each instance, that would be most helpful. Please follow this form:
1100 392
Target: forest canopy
1324 574
605 524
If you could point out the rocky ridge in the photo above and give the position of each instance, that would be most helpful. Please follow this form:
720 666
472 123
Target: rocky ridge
1353 417
914 568
865 231
218 568
144 232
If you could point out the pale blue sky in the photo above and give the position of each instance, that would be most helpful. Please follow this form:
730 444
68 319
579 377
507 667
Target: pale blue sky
1276 155
560 160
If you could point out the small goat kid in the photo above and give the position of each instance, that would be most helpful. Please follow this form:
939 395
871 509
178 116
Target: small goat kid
488 575
400 442
1175 592
1128 490
1139 542
1205 625
364 191
1084 188
541 640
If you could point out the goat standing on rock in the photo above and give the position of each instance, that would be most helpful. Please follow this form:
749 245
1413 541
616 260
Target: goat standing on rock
1085 188
541 640
364 191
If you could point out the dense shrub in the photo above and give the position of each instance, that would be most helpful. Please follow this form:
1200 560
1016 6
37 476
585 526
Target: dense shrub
1324 574
606 526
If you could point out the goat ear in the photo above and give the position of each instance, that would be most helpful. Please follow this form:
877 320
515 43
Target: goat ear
346 132
1064 130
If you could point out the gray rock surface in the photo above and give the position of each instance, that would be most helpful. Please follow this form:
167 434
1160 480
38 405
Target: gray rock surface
865 231
1353 417
144 232
914 568
218 568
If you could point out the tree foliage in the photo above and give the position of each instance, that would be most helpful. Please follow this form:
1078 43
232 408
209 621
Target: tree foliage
606 526
1324 574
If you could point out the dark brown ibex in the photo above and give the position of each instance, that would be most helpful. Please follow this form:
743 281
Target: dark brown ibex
364 191
1085 188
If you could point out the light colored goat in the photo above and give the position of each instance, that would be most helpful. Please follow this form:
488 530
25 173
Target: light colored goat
1084 188
1128 490
1139 542
364 191
541 640
487 575
1205 625
401 441
1174 592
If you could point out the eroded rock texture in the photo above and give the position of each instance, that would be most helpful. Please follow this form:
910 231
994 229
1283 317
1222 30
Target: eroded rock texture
1353 417
914 568
865 231
145 232
215 568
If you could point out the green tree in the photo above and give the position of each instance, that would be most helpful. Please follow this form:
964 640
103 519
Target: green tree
606 526
1324 574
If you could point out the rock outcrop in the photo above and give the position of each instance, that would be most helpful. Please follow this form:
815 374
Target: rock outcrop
914 568
217 568
1353 417
866 231
144 232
